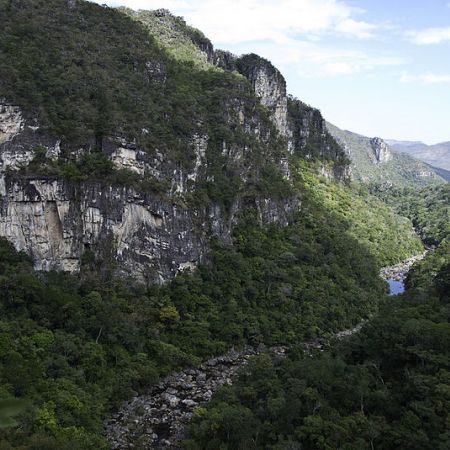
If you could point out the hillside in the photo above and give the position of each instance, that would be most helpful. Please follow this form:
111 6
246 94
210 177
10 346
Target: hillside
162 202
179 151
375 163
385 388
437 155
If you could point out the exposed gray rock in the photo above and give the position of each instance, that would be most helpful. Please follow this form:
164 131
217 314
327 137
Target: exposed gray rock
11 121
399 271
156 420
381 151
151 237
269 86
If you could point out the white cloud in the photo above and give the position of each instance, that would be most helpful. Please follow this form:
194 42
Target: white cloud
298 33
429 35
362 30
312 59
237 21
427 78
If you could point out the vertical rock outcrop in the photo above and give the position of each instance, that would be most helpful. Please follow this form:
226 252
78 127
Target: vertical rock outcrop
11 121
144 188
269 86
381 151
149 236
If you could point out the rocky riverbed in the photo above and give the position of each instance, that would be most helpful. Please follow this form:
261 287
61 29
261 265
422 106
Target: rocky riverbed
399 271
156 420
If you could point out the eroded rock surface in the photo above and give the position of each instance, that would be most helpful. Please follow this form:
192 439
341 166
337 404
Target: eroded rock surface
398 271
381 151
149 236
156 420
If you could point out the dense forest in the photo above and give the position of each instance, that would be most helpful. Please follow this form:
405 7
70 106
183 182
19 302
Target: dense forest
74 346
428 209
386 388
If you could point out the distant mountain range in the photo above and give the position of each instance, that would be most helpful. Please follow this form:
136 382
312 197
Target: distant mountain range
437 155
376 162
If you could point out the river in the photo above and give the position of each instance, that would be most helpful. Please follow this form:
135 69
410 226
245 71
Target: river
156 419
395 275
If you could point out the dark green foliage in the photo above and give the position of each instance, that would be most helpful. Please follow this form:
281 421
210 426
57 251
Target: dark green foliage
388 236
117 81
428 209
424 272
387 388
318 143
76 346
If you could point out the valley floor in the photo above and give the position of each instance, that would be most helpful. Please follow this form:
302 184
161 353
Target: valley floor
157 419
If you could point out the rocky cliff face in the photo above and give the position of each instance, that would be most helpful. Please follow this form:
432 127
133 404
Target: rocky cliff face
148 236
380 150
204 138
373 162
270 87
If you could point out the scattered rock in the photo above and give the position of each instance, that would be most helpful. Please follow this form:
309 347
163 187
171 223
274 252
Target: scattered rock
160 416
399 271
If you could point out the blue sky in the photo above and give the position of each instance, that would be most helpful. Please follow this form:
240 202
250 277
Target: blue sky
376 67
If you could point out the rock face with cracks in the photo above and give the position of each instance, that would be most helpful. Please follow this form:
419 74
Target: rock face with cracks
153 234
148 236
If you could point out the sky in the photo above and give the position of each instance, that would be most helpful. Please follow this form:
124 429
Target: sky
375 67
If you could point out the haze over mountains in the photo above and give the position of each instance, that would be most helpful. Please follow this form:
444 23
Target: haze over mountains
437 155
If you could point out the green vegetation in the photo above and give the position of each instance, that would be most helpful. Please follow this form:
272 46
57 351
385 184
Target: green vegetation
319 143
72 347
76 346
428 209
401 171
424 272
385 234
386 388
183 42
118 81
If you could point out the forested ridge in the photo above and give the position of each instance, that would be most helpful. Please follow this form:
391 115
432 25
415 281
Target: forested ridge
74 346
387 387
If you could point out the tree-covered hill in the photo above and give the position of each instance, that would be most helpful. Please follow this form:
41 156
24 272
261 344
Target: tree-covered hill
75 346
398 170
427 208
131 147
386 388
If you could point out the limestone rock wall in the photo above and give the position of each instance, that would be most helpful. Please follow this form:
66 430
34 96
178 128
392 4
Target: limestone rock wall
148 236
269 86
381 151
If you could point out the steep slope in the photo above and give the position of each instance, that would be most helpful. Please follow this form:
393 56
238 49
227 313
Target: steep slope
437 155
428 209
183 42
374 162
389 237
135 157
384 388
147 162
